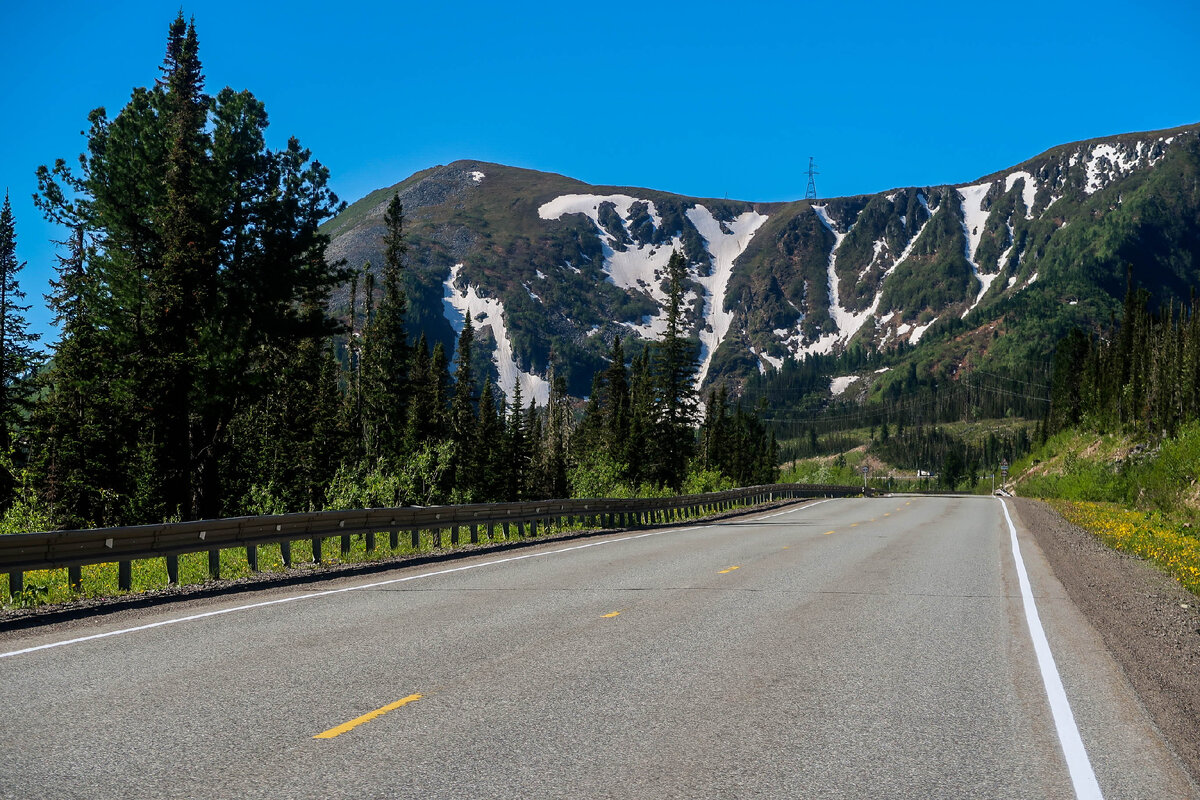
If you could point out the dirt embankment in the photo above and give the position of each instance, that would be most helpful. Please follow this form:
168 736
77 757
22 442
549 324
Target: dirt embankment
1149 622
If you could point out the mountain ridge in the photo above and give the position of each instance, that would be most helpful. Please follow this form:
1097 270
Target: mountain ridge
809 276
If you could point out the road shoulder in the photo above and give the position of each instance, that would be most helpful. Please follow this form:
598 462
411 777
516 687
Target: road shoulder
1148 622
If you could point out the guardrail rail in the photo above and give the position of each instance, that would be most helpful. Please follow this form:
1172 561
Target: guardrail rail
23 552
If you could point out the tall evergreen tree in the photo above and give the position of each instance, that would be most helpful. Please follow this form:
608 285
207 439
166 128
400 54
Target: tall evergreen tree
641 445
674 372
208 252
516 450
386 356
463 418
17 356
487 455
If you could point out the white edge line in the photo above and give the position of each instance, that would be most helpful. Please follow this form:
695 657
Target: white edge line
360 587
1082 776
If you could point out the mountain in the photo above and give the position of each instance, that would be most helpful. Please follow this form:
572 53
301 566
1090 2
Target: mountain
551 269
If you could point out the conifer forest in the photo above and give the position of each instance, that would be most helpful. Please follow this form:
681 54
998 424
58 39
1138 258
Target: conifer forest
201 374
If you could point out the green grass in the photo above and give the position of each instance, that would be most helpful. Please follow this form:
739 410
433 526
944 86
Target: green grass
1088 467
150 575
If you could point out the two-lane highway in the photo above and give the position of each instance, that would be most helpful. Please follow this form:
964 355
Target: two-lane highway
839 649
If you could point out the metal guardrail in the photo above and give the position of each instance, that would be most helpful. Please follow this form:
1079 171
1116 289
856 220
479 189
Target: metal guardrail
24 552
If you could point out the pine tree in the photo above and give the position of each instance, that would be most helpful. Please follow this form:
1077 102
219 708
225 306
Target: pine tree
516 450
208 251
616 380
642 427
462 414
181 291
487 455
557 440
17 356
386 356
675 370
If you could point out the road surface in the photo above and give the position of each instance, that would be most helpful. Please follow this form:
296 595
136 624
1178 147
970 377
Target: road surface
846 648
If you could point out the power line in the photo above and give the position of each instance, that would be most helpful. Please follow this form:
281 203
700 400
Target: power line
811 192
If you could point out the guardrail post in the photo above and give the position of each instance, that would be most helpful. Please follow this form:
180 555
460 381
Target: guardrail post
394 539
370 540
172 569
75 578
214 564
474 533
416 538
16 583
125 575
316 548
285 550
344 545
454 536
252 557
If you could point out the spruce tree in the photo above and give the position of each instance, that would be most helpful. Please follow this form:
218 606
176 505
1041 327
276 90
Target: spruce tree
208 251
640 446
462 413
17 356
386 356
674 373
516 451
487 455
616 381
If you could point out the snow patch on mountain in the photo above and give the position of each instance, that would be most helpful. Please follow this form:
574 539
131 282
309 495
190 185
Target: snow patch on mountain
919 331
724 249
839 385
641 268
633 268
489 312
765 359
848 322
589 205
1028 190
477 176
974 218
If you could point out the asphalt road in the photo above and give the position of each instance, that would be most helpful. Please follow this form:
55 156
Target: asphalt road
860 648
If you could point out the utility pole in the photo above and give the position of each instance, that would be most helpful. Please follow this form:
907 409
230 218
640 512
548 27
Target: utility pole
811 192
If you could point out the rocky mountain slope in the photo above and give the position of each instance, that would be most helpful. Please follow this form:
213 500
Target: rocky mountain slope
551 269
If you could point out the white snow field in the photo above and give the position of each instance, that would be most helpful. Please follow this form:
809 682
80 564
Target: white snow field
848 322
839 385
489 312
724 249
974 218
1028 189
641 267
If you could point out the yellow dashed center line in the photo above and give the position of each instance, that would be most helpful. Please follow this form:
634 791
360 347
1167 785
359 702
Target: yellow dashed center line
887 513
828 532
786 546
379 712
730 569
610 616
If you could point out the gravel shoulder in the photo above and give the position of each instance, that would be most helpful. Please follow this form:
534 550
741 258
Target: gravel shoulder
1148 621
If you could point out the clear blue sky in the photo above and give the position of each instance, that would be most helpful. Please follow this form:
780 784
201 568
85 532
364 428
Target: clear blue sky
700 98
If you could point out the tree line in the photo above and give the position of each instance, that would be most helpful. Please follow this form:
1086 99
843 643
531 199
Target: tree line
199 372
1140 373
